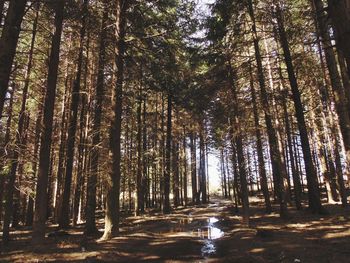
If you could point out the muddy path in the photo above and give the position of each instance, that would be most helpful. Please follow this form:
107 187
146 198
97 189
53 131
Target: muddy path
205 233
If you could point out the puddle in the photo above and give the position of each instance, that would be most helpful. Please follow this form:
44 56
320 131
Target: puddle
209 234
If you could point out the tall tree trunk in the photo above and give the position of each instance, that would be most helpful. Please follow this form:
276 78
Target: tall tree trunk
167 169
311 175
259 148
90 225
113 190
176 173
45 146
8 45
72 125
278 170
336 82
202 166
139 180
184 145
20 134
238 139
193 166
9 190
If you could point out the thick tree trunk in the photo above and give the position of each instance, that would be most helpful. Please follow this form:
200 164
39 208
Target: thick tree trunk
311 175
113 190
90 225
8 45
339 12
45 146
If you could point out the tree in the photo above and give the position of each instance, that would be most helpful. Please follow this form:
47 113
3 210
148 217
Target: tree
40 212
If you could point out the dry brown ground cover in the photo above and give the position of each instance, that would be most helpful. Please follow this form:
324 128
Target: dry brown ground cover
183 236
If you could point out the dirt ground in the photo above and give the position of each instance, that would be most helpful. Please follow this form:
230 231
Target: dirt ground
207 233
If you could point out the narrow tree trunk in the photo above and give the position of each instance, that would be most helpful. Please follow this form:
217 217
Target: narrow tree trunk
185 166
45 146
139 180
9 190
167 170
193 166
176 173
259 148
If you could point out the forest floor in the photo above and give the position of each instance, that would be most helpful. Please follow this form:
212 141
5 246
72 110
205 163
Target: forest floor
206 233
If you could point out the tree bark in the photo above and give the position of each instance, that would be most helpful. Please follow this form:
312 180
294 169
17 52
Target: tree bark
9 190
311 175
90 225
193 166
64 218
259 148
113 189
340 96
278 170
167 170
45 146
8 45
339 12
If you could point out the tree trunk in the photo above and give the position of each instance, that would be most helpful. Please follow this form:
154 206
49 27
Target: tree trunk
113 190
311 175
8 45
185 166
193 166
238 139
72 125
275 153
45 146
259 148
139 179
9 190
340 18
176 173
338 89
90 225
167 170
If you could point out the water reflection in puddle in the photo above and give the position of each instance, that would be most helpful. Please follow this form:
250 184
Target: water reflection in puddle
209 234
